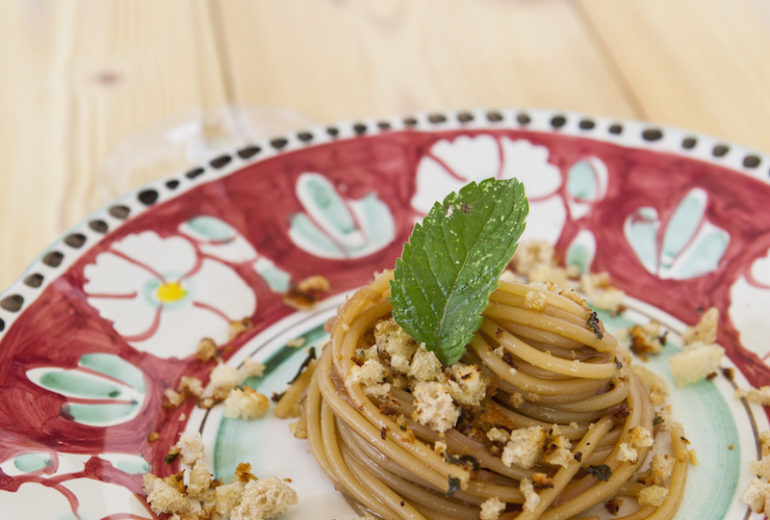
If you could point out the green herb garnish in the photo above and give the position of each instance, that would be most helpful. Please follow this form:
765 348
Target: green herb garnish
453 261
603 472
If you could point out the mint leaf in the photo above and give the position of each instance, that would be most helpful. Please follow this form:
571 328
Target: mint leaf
453 261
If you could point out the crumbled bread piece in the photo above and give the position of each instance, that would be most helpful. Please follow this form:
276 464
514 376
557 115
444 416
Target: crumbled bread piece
517 399
200 480
153 436
390 338
190 446
207 350
542 481
706 329
174 398
653 383
764 440
535 300
190 385
380 390
531 255
238 327
223 378
467 385
246 403
182 417
499 351
370 373
440 447
252 368
296 342
306 293
491 509
638 437
693 455
498 435
163 497
661 467
554 275
755 395
600 292
524 447
757 495
425 365
761 468
695 362
652 496
263 499
645 339
557 449
531 499
299 427
434 406
227 496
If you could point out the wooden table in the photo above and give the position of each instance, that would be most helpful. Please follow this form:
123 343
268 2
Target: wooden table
78 78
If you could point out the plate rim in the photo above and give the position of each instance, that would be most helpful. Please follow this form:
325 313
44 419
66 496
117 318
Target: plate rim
76 241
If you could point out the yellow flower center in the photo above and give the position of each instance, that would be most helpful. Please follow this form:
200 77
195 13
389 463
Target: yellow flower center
170 292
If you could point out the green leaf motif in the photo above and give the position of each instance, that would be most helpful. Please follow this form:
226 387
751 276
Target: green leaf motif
453 261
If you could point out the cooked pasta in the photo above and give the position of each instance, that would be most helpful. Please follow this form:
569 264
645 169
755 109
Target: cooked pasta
542 416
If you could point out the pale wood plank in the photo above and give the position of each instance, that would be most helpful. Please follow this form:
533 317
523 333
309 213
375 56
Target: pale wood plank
337 60
79 78
697 64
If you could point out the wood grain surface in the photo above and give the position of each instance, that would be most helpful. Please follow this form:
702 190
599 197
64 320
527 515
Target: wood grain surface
89 89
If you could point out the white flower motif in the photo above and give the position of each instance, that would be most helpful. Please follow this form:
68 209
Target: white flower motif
163 295
750 299
449 165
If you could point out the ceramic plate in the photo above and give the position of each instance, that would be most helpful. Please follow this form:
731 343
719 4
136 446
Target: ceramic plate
110 316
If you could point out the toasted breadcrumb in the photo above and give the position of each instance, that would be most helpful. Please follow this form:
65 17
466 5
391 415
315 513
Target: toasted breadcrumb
755 395
764 440
757 495
440 447
222 379
498 435
246 403
252 368
638 437
531 499
299 427
557 449
491 509
532 255
645 339
370 373
173 397
190 385
296 342
467 385
238 327
434 406
263 499
761 468
425 365
306 293
652 496
535 300
524 447
190 445
661 467
600 292
207 350
706 329
695 362
391 339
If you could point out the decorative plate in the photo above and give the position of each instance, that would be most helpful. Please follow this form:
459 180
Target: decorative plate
110 316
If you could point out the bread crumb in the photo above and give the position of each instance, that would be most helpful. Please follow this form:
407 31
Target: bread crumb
425 366
251 368
755 395
600 292
207 350
653 383
467 385
531 499
637 437
296 342
299 428
695 362
370 373
652 496
498 435
238 327
173 397
491 509
263 499
306 293
706 329
557 449
394 341
190 385
757 495
434 406
190 446
245 403
535 300
524 447
646 339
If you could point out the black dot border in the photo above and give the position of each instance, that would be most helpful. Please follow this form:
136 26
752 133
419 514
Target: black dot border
553 121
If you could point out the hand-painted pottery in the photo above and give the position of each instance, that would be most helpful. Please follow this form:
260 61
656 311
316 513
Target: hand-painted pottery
110 316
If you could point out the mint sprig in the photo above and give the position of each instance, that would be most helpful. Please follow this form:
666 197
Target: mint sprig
453 261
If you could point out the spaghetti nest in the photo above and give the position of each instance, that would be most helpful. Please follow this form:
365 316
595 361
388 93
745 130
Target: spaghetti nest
542 418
